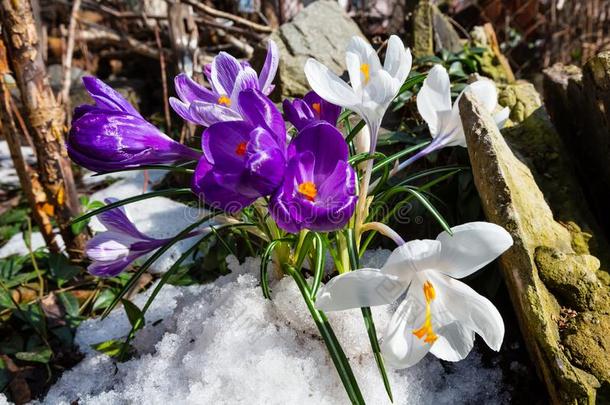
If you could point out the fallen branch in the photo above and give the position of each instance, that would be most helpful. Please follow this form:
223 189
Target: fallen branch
67 65
222 14
96 33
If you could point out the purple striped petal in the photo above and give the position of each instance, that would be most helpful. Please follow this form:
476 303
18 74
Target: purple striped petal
207 114
224 145
325 142
269 68
246 79
116 220
298 113
188 90
323 110
106 97
225 69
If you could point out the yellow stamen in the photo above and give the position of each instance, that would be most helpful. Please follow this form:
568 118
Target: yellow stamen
308 190
224 100
241 149
426 332
317 108
364 68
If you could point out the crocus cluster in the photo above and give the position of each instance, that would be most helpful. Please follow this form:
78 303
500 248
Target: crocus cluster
302 179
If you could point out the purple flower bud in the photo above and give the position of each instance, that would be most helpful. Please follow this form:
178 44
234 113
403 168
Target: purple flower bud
228 78
112 135
243 160
301 112
114 250
319 187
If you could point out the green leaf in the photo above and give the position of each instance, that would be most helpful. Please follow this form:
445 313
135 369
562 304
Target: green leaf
134 314
111 348
264 260
70 303
62 270
5 300
439 218
160 193
103 299
42 355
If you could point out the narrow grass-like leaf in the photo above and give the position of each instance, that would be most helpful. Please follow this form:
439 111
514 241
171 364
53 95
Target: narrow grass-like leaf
152 194
352 134
426 203
368 317
132 281
264 261
318 268
180 169
330 339
391 159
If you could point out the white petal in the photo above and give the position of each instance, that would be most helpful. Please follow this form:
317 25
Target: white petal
246 79
328 85
400 347
472 246
450 132
457 302
411 257
358 49
360 288
501 116
380 89
454 342
435 95
485 92
109 246
397 60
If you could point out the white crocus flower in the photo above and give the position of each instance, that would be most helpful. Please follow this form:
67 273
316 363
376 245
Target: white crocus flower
439 314
443 119
373 86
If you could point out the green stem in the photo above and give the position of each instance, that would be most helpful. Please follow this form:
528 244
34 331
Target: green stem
332 344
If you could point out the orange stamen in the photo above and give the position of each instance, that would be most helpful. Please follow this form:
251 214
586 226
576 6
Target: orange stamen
308 190
317 108
241 149
426 331
365 69
224 100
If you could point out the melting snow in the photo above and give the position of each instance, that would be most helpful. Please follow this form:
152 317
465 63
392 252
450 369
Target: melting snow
224 343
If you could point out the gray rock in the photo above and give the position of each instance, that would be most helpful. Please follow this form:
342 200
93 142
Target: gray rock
511 197
321 31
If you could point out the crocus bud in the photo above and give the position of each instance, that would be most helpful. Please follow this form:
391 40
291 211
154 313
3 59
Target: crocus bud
112 135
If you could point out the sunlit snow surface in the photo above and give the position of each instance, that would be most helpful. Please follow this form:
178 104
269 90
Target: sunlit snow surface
224 343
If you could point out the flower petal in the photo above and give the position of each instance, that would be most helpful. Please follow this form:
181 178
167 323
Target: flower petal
222 142
435 95
411 257
325 142
501 116
109 246
111 268
117 220
328 85
207 114
106 97
225 69
362 62
398 60
189 90
246 79
472 246
486 93
357 289
454 342
269 69
455 301
400 347
258 110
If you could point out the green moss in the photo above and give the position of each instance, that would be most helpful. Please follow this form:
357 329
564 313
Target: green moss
423 39
572 279
587 341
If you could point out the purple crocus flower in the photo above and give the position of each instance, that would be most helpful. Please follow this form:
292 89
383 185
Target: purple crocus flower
319 187
115 249
301 112
112 135
227 78
243 160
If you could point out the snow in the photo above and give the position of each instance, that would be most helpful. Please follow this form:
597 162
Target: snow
224 343
8 174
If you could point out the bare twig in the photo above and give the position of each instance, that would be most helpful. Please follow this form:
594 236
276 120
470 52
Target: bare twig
168 120
67 65
97 33
222 14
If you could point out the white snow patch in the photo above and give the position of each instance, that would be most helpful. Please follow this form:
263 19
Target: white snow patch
8 174
224 343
